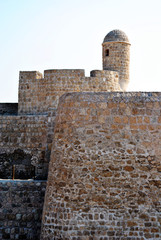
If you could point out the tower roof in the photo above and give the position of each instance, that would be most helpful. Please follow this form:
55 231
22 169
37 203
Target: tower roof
116 36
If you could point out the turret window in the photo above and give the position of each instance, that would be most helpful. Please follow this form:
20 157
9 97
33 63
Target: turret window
107 52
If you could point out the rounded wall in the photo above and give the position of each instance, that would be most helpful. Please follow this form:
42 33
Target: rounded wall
116 57
110 75
104 174
107 81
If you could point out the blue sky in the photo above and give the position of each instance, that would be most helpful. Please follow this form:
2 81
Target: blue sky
49 34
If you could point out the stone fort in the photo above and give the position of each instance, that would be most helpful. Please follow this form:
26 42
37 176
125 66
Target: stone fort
80 158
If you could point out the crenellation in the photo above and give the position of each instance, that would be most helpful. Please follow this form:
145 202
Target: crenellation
37 95
28 75
98 145
104 73
66 72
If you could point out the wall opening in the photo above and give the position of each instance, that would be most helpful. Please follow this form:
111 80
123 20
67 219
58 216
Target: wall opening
107 52
16 165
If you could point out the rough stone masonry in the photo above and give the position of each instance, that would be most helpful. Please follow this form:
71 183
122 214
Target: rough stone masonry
104 178
102 146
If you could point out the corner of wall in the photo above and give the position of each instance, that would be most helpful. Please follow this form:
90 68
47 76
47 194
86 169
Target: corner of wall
24 75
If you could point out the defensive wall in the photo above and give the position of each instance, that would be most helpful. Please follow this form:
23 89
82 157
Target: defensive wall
23 145
38 93
104 178
26 138
103 146
23 155
21 202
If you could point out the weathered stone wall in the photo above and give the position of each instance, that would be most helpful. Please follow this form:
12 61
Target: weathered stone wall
117 60
21 204
37 94
104 178
23 143
32 93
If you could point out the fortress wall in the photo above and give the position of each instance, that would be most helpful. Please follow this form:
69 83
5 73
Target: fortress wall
64 72
37 94
104 177
50 132
111 75
21 204
59 85
23 143
32 93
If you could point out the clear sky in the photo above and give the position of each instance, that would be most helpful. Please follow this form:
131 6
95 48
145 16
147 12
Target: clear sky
51 34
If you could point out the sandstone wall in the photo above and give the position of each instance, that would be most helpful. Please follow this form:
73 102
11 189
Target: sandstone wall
21 204
104 178
32 93
37 94
23 143
118 60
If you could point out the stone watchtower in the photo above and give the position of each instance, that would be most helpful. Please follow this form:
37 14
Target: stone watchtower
116 55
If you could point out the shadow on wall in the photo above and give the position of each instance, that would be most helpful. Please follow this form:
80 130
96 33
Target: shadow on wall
18 165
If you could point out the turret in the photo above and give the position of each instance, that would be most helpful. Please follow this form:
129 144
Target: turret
116 55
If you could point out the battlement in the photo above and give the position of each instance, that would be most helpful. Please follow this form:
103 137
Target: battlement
103 146
104 73
38 93
27 75
64 72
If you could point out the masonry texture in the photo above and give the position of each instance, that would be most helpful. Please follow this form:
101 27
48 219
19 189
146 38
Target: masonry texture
116 55
21 204
26 138
37 94
23 141
104 175
102 146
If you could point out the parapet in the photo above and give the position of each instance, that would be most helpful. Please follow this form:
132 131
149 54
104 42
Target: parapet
37 94
65 72
104 73
30 75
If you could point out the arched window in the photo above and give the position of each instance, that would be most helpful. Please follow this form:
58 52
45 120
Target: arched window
107 52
